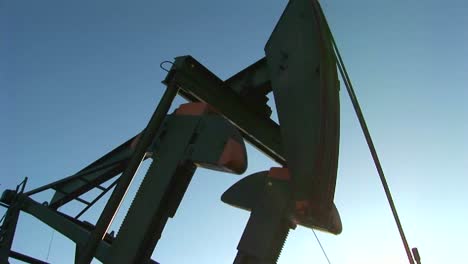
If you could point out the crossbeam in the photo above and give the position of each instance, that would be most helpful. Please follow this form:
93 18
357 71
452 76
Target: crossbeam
197 83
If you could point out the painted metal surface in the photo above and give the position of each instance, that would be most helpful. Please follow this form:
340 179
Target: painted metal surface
247 192
306 90
197 83
98 172
268 227
185 142
115 200
299 68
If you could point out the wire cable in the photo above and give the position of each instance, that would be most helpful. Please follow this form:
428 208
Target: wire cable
161 65
321 247
50 244
370 143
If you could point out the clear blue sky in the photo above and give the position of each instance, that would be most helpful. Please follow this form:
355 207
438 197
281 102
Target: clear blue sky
77 78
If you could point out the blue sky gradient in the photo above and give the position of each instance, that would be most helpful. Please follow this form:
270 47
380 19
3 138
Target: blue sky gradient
79 78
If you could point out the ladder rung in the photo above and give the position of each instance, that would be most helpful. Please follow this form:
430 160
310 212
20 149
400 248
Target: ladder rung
83 201
97 186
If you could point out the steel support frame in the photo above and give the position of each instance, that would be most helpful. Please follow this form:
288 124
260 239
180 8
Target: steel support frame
7 231
194 82
62 224
188 142
8 227
98 172
185 138
25 258
72 229
144 222
114 202
197 83
268 226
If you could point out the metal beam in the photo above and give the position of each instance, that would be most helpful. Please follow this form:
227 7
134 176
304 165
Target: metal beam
104 191
253 84
268 225
26 258
75 230
59 222
101 170
189 141
120 190
145 220
7 231
197 83
8 227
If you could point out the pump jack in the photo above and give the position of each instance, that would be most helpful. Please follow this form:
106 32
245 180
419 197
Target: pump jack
300 69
